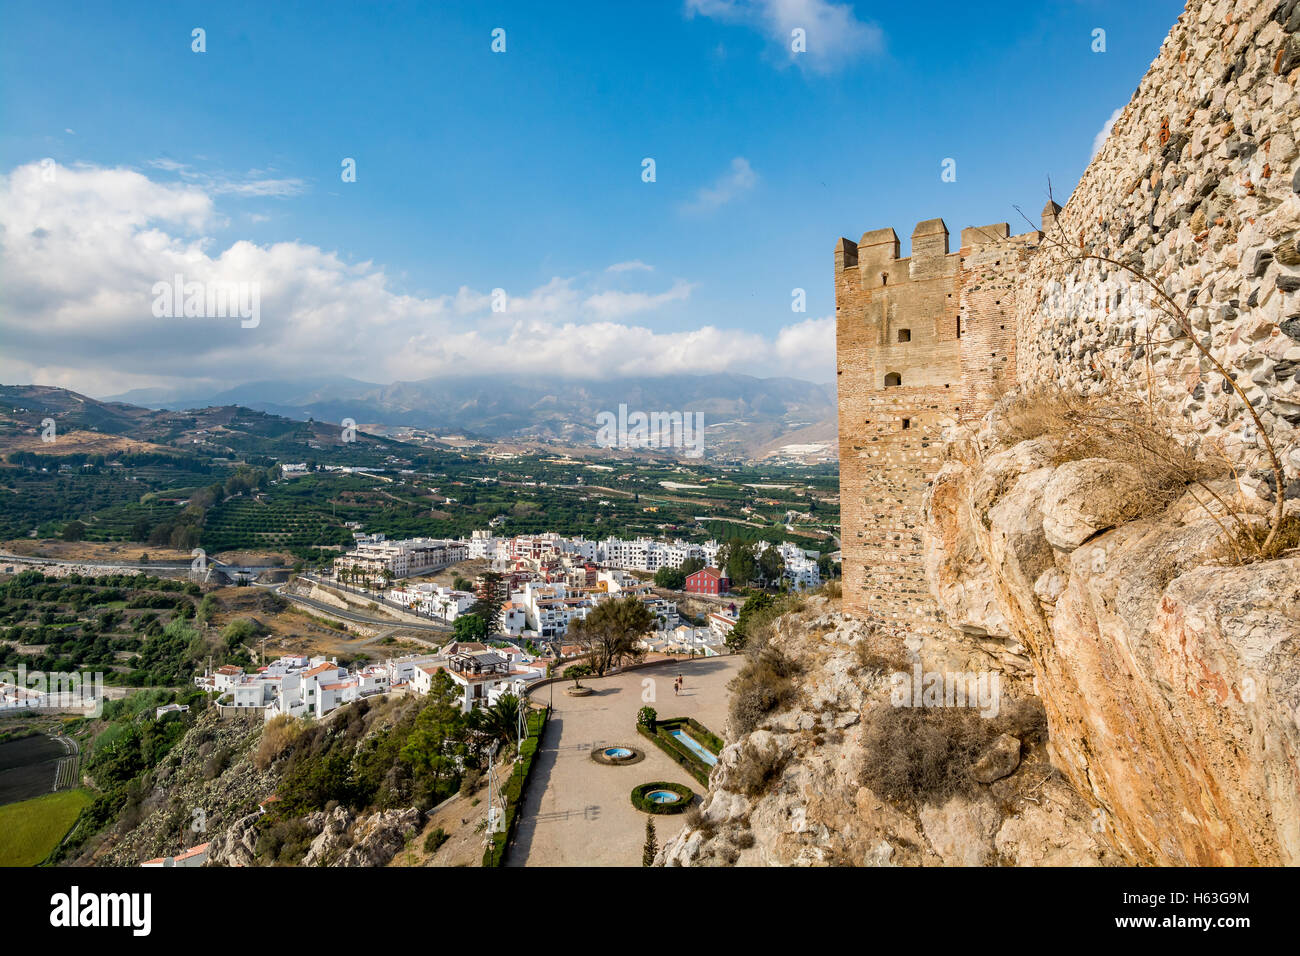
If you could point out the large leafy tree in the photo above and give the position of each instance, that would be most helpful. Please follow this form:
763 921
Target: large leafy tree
771 566
611 632
471 627
738 559
671 578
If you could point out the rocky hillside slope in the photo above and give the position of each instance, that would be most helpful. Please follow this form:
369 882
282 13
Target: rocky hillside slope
839 776
208 790
1149 684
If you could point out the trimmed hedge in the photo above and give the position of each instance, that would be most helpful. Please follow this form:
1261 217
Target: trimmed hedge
513 791
646 805
663 739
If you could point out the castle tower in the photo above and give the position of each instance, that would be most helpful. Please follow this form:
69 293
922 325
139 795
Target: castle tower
921 343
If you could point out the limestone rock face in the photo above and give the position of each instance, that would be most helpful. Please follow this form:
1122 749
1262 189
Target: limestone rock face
1171 681
376 839
237 846
1088 496
340 839
331 835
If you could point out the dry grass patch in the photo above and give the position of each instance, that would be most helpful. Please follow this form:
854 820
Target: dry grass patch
279 736
879 654
923 755
1118 428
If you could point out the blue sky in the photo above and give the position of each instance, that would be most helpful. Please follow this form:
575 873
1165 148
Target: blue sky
519 170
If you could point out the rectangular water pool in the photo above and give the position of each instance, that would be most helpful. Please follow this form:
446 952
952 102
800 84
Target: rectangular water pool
694 746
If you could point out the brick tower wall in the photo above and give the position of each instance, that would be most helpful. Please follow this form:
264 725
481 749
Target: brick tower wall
937 320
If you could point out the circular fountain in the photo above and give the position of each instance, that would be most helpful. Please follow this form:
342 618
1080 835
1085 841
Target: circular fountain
662 797
616 755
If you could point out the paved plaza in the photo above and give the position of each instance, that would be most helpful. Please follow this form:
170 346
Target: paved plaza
578 812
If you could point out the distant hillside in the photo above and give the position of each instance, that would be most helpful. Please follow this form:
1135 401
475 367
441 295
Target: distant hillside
86 424
745 415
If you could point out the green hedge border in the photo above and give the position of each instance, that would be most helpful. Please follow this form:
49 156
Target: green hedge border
514 787
640 801
663 739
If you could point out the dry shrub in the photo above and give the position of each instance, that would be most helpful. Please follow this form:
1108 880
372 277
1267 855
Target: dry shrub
696 820
1246 540
763 685
879 653
1117 427
1123 428
471 781
756 770
216 762
278 738
923 755
833 589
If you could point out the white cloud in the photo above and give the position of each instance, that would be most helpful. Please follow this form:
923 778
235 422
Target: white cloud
632 265
834 35
79 256
1099 140
253 183
611 304
739 179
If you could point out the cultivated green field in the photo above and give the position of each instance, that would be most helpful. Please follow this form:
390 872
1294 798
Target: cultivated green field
31 829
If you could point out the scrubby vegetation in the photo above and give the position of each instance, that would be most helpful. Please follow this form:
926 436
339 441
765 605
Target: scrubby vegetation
765 684
923 755
128 744
381 757
756 770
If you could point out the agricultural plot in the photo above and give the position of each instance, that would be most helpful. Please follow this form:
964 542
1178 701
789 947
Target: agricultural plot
32 829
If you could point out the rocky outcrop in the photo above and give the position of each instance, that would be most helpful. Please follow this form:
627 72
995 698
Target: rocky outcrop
1170 678
792 791
237 845
338 838
368 841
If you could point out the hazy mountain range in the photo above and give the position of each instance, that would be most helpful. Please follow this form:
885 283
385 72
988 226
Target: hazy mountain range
745 415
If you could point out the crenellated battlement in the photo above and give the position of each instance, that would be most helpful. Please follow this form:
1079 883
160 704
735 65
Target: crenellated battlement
922 341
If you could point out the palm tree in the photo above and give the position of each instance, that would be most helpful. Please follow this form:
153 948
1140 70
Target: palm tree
498 721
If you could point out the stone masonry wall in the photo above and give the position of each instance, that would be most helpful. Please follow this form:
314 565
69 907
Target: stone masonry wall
1197 187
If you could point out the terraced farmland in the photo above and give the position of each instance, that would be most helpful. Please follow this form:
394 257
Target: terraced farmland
246 523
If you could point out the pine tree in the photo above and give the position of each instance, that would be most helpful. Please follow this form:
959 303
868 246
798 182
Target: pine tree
651 846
